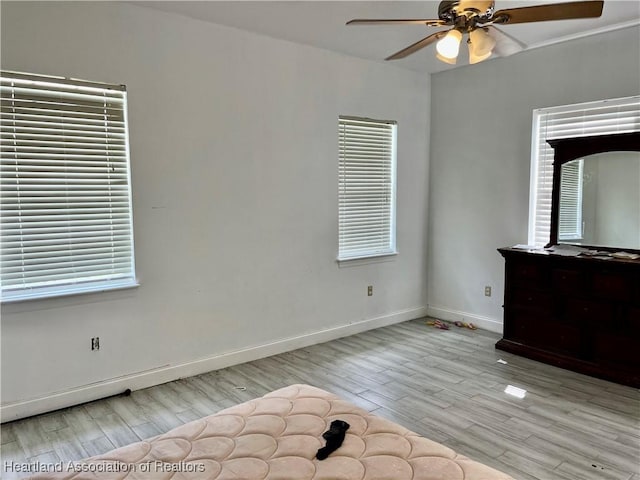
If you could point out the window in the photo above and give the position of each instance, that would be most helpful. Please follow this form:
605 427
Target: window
367 165
66 199
585 119
570 221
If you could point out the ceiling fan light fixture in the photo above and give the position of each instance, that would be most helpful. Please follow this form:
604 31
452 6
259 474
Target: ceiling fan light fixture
449 46
482 42
450 61
474 57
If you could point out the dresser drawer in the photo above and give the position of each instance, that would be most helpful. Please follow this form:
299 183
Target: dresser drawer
635 290
562 339
580 310
632 321
532 299
539 332
529 274
567 281
617 350
611 286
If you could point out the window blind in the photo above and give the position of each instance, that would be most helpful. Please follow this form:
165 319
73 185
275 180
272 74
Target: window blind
65 196
580 120
570 220
367 152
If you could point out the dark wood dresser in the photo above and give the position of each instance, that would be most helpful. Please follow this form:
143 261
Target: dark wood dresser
576 312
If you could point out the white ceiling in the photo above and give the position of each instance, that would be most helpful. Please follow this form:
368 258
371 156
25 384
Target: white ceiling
322 24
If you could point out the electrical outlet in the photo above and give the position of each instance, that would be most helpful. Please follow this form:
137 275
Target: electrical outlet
95 343
370 290
487 291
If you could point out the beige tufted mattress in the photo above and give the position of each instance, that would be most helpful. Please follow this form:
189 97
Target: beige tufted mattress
276 437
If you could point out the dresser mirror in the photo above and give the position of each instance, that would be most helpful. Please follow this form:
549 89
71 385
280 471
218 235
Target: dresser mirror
596 192
600 201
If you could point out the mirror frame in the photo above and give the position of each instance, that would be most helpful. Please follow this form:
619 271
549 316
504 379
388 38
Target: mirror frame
568 149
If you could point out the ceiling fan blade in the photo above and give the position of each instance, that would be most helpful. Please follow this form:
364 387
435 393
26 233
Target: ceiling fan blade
555 11
405 52
505 44
417 21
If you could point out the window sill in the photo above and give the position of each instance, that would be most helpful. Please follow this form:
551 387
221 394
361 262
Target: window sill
45 294
355 261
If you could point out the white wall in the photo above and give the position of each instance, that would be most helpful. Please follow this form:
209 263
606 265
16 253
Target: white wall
234 164
480 158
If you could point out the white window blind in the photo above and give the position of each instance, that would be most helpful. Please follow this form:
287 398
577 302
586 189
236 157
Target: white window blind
65 199
570 220
580 120
367 163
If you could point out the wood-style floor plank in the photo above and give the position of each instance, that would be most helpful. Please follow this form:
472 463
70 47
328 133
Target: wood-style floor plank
445 385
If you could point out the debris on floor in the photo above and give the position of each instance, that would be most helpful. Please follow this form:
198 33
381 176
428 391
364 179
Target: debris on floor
470 326
438 324
503 362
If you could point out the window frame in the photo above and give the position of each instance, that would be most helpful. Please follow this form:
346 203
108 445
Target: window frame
60 144
389 248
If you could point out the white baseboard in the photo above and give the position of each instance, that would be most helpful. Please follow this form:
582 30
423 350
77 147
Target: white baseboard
486 323
168 373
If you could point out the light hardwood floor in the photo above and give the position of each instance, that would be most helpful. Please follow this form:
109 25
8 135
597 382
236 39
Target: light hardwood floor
445 385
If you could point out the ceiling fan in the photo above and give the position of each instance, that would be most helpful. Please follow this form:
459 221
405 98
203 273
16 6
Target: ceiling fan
478 20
